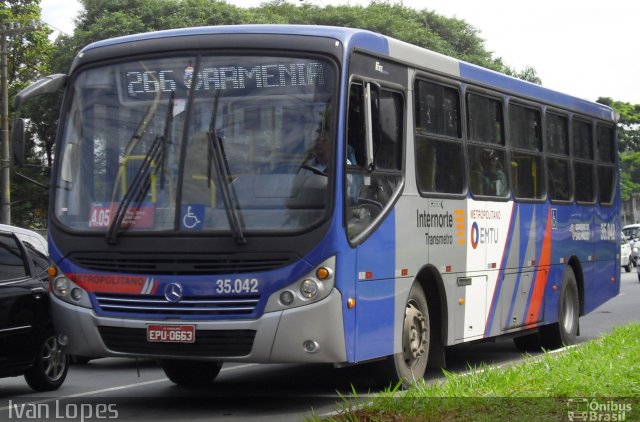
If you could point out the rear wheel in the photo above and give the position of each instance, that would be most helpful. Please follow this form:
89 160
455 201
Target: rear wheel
50 367
410 365
565 331
190 373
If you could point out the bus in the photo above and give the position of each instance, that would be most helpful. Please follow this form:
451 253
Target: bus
313 194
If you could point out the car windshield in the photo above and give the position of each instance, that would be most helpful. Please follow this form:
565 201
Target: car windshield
631 232
229 144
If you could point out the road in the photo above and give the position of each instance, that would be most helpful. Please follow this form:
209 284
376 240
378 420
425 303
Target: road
138 390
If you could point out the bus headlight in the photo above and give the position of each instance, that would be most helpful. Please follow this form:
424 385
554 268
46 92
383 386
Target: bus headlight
61 286
65 289
309 288
313 287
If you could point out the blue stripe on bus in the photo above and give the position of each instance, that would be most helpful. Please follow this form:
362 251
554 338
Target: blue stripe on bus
375 309
499 282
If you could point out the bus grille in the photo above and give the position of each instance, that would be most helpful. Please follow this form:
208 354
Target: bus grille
181 264
211 343
188 306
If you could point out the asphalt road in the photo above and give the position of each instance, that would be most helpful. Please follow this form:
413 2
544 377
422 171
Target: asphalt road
137 390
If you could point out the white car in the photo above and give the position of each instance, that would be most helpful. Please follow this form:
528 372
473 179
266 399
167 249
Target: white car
626 258
632 233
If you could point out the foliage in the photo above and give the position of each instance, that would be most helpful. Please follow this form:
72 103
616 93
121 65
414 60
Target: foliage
628 126
628 144
103 19
28 55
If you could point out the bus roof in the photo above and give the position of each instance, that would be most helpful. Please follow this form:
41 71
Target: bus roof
398 50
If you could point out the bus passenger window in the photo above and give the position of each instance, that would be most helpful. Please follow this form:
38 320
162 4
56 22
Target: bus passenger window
605 142
439 162
582 140
525 138
439 166
559 179
437 109
557 141
486 122
486 174
584 182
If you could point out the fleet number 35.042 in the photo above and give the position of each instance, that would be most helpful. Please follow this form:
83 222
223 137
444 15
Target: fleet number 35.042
229 286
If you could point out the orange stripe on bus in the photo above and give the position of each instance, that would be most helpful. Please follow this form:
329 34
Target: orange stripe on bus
541 279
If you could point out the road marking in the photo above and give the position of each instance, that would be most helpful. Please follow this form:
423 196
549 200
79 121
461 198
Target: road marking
122 387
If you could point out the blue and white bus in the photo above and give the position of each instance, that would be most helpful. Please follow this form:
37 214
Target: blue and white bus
277 193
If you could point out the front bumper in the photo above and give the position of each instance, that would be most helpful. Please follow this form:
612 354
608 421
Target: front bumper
275 337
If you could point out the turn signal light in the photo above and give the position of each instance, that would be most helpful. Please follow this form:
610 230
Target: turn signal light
323 273
52 271
351 303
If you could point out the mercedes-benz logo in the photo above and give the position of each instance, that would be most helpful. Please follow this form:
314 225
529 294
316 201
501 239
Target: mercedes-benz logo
173 292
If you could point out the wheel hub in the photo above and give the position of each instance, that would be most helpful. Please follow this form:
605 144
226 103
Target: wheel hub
414 335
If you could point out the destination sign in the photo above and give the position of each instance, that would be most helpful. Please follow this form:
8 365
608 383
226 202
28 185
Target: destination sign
292 75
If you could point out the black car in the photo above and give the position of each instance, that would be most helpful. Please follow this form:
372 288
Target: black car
28 343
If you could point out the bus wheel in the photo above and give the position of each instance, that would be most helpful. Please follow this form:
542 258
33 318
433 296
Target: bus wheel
191 373
565 331
410 365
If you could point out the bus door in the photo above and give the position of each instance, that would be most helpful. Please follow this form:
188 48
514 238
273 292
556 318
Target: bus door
373 183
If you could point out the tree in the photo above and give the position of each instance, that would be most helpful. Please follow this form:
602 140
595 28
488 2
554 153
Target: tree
108 18
27 59
628 144
628 125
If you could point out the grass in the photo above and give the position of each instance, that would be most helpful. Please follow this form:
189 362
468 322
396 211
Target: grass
598 380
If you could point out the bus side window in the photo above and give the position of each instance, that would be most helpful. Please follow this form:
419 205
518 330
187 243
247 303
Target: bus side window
439 149
605 142
356 126
583 168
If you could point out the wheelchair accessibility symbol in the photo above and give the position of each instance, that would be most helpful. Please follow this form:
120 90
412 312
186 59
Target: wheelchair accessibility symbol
192 217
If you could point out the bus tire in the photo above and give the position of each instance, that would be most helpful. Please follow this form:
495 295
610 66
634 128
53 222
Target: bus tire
191 373
410 365
565 331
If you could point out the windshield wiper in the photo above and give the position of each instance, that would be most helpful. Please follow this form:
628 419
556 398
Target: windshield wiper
216 154
142 180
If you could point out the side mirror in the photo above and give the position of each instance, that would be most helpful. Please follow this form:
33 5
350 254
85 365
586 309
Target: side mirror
47 85
18 141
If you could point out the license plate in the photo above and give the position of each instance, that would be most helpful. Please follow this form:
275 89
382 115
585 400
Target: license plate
171 333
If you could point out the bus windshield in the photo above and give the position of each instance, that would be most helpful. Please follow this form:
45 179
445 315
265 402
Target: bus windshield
229 144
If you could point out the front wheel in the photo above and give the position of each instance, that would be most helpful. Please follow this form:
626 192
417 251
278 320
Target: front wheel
50 367
565 331
191 373
410 365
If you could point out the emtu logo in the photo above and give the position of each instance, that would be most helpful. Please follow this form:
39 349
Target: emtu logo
475 235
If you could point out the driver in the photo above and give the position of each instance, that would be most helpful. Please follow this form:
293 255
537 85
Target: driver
319 159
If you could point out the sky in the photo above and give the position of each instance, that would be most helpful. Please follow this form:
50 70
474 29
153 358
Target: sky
586 48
